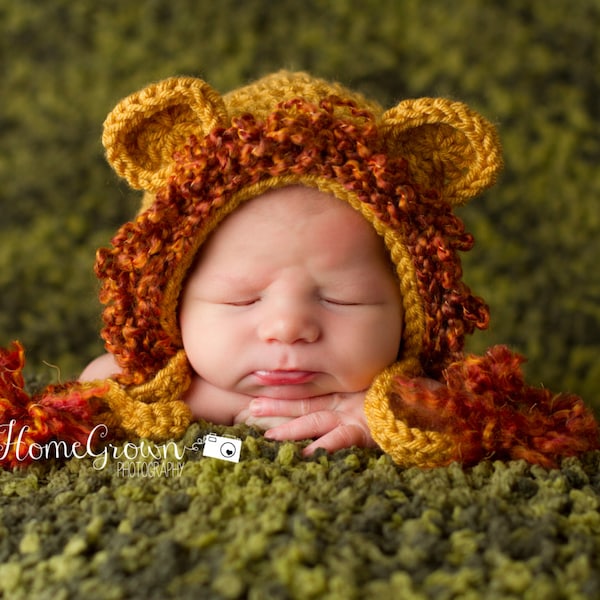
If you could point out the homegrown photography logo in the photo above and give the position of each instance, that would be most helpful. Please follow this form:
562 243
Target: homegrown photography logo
131 459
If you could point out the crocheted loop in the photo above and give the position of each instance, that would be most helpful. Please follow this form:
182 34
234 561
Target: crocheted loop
261 97
144 130
448 146
154 410
407 446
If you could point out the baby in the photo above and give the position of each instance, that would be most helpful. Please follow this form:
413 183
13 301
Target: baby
295 266
290 310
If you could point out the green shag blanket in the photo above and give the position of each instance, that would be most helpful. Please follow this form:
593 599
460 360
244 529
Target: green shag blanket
276 525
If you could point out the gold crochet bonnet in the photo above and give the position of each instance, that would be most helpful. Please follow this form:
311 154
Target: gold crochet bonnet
198 155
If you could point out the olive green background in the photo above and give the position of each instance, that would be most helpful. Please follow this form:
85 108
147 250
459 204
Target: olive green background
277 526
532 67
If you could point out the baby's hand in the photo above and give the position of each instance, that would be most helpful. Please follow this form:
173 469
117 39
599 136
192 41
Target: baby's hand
335 421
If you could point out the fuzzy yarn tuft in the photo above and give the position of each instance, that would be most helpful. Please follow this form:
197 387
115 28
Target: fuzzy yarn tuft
28 423
485 410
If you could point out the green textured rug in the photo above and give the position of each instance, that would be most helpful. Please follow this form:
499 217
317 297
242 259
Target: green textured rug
275 525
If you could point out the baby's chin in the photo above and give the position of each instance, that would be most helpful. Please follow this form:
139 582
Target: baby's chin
262 423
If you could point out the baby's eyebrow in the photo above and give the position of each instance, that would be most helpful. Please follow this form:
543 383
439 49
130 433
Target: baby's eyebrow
234 279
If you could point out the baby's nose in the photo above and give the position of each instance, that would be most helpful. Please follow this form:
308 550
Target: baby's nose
289 325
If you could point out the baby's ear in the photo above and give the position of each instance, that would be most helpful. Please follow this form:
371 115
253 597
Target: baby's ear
449 147
143 131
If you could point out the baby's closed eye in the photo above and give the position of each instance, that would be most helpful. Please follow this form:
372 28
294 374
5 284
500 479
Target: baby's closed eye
242 302
340 301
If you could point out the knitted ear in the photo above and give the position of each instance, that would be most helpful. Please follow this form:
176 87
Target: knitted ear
144 130
449 146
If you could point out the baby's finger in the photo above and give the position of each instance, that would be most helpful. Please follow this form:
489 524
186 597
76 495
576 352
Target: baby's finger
266 422
343 436
270 407
313 425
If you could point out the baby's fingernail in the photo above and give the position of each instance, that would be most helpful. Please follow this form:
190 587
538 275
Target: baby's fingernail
309 450
256 407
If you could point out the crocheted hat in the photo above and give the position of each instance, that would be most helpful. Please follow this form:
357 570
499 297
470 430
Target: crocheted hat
198 156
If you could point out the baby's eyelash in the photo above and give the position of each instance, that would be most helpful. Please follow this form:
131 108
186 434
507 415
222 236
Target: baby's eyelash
339 302
247 302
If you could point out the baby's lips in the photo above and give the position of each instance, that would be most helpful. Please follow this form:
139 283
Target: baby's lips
284 377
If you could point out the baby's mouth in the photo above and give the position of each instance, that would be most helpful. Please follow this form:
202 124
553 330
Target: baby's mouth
283 377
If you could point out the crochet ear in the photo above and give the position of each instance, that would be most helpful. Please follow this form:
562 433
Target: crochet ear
449 146
143 131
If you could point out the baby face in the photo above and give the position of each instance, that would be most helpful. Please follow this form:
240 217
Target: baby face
291 297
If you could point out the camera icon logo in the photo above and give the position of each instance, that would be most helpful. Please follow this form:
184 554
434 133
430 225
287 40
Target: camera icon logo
222 447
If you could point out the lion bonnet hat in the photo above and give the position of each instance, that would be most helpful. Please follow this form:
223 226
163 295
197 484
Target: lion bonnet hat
198 155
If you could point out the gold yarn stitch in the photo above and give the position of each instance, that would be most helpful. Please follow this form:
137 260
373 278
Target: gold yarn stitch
144 130
407 446
260 97
447 144
155 409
